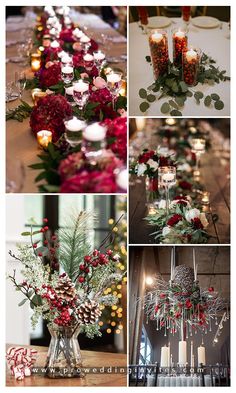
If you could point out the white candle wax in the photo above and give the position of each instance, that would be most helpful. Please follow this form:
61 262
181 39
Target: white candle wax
168 177
201 353
113 78
121 179
182 352
78 33
140 123
81 86
75 124
157 37
55 44
191 55
67 69
164 356
69 90
88 57
95 132
99 55
199 145
179 34
191 354
85 39
66 59
62 54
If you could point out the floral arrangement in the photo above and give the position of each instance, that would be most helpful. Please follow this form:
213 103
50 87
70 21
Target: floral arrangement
182 303
73 296
148 163
182 224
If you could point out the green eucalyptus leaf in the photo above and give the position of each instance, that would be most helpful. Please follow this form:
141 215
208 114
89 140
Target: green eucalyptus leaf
207 101
22 302
165 108
215 97
198 95
173 104
175 112
219 105
142 93
151 98
25 233
144 106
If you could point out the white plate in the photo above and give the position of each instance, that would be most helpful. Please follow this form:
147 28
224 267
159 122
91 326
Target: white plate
205 22
159 22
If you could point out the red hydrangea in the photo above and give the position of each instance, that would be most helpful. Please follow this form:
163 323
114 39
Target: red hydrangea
94 181
143 158
104 98
51 54
50 76
197 223
164 161
66 35
49 115
174 220
185 185
117 134
78 60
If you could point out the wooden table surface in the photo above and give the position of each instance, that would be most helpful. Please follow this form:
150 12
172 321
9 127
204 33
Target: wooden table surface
21 145
214 175
90 359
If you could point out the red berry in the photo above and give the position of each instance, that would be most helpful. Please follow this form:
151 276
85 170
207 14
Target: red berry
45 242
34 245
87 270
52 250
95 264
82 267
54 237
109 252
40 254
45 220
81 279
87 258
45 228
95 253
42 230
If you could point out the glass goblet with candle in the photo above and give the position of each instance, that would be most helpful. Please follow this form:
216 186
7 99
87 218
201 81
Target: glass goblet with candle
167 179
94 142
73 130
99 58
114 81
88 60
81 93
198 148
85 43
67 73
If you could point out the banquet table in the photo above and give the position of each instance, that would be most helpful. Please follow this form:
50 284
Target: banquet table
21 145
214 176
214 42
90 359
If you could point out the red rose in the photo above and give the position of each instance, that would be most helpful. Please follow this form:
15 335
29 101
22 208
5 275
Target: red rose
211 289
50 76
174 220
49 115
185 185
143 158
196 222
181 200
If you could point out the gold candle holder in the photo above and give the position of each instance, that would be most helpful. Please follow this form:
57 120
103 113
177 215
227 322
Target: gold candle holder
35 62
205 197
38 95
44 137
123 88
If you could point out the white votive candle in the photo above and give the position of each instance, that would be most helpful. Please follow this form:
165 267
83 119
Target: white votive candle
182 353
140 123
81 86
179 34
84 39
74 124
99 55
88 57
78 33
55 44
69 90
201 353
157 37
113 78
67 70
164 356
66 59
121 179
62 54
191 55
168 177
95 132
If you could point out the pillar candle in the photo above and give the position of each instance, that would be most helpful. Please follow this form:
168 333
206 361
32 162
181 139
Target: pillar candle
182 352
201 353
164 356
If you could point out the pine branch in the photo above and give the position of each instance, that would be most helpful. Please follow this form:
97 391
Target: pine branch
74 243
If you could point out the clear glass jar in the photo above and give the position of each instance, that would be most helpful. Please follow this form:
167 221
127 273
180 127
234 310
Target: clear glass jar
158 43
64 357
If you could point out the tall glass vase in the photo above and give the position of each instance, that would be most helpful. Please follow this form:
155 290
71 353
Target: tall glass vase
151 184
64 356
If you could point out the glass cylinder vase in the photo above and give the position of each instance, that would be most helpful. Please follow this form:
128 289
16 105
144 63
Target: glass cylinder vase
158 43
64 357
151 184
191 65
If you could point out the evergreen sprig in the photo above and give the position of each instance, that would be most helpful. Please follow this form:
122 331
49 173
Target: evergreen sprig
19 113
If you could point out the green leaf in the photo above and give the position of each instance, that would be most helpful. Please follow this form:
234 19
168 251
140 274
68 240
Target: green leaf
151 98
198 95
189 93
41 176
25 233
207 101
180 101
219 105
51 150
165 108
144 106
142 93
39 165
183 86
36 232
215 97
36 301
173 104
174 112
22 302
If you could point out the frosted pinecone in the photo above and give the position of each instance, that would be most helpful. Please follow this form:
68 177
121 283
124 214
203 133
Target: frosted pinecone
89 312
65 289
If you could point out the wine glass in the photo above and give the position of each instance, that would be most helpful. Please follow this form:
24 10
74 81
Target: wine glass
81 93
167 179
20 81
99 59
114 81
67 73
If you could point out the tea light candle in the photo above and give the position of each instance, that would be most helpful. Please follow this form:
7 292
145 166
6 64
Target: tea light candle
170 122
205 197
74 124
81 86
122 91
61 54
66 59
157 37
167 177
95 132
99 55
179 34
113 78
77 33
88 57
35 61
201 353
44 137
140 123
198 144
85 39
182 353
151 210
35 91
69 90
121 179
55 44
67 69
37 95
164 356
191 55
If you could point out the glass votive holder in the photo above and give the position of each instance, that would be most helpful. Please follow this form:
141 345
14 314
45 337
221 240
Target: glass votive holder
35 62
85 42
158 43
66 60
73 130
198 145
35 91
77 33
38 95
81 92
67 74
88 61
69 95
180 41
205 198
99 58
44 137
191 64
94 142
123 88
114 81
166 176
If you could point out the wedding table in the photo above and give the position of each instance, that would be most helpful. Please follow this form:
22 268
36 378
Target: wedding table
214 42
90 359
21 145
213 176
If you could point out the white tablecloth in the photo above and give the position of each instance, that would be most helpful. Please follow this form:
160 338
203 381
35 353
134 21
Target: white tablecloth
214 42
